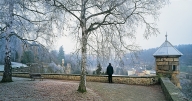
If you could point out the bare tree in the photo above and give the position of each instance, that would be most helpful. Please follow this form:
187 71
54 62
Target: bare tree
7 67
28 20
115 21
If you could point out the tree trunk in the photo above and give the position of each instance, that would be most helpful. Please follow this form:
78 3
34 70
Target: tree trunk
7 74
82 84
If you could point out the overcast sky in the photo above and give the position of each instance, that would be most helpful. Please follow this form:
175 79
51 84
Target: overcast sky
175 19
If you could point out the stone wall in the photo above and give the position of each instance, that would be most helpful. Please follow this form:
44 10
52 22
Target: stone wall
103 78
144 80
171 92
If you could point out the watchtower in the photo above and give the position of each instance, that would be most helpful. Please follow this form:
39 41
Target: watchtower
167 61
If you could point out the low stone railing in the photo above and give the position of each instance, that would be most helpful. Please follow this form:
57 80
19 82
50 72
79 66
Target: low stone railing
171 92
135 80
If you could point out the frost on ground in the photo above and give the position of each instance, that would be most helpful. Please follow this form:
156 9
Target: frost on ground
23 89
48 90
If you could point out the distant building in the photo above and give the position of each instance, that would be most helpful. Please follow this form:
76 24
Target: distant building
167 61
140 72
131 72
16 67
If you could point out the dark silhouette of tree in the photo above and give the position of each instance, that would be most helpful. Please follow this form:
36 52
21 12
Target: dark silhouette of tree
28 57
98 70
61 55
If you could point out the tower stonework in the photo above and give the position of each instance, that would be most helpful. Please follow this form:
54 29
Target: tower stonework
167 62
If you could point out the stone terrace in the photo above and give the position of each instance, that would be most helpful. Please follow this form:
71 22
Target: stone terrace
23 89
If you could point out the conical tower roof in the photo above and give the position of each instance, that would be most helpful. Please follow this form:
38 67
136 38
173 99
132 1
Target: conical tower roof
167 49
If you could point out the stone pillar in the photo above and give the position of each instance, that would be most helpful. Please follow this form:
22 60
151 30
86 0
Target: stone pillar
63 61
68 69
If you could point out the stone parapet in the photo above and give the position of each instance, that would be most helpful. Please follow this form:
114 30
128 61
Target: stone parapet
147 80
122 79
172 93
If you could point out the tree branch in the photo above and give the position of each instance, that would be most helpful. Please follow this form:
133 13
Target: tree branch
61 5
29 19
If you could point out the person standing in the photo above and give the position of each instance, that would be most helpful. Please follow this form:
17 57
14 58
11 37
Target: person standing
110 73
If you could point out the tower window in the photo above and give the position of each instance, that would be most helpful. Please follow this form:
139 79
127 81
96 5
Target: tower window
174 68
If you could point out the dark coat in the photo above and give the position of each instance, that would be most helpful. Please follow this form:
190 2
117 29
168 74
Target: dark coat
109 70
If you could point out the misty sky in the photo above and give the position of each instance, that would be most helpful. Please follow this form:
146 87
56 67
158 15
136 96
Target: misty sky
175 19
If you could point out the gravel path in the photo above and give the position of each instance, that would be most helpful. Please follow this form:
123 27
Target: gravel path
122 92
23 89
